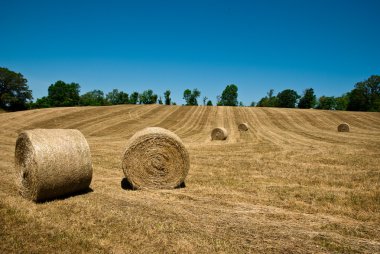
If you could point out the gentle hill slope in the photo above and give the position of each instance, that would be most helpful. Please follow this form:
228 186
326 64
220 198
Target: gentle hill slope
292 183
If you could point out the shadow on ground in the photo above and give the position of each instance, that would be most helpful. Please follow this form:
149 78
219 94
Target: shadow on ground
127 185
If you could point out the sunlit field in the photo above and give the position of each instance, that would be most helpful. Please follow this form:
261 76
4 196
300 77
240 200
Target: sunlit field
291 183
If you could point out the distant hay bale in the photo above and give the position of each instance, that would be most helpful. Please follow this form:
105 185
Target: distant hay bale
243 127
52 163
343 127
155 158
219 133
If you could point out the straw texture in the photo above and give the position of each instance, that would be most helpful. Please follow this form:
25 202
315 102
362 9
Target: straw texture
243 127
155 158
51 163
343 127
219 133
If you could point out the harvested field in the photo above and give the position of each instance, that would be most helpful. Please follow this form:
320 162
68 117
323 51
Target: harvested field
291 183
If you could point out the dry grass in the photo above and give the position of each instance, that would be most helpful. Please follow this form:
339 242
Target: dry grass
290 184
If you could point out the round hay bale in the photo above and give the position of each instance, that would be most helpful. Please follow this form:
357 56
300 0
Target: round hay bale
52 163
243 127
343 127
219 133
155 158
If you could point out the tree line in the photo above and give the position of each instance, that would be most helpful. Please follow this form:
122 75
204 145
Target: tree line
364 97
16 95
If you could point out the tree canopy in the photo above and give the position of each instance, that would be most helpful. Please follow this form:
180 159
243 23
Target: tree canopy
287 98
268 101
42 102
308 100
167 97
148 97
341 102
61 94
229 96
93 98
14 91
191 97
116 97
326 102
366 95
134 98
16 95
205 99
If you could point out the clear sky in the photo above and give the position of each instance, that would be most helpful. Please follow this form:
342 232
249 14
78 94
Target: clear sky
328 45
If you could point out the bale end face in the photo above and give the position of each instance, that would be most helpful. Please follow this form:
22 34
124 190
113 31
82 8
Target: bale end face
25 164
155 158
343 127
243 127
219 133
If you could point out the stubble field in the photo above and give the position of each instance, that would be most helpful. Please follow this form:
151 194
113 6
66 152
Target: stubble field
291 183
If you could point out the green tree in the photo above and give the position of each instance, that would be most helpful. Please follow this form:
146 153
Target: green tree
167 97
61 94
205 100
326 102
268 101
133 99
308 100
366 95
263 102
43 102
187 96
209 103
160 100
14 91
148 97
272 100
218 100
358 100
116 97
191 97
93 98
287 98
194 96
253 104
342 102
229 96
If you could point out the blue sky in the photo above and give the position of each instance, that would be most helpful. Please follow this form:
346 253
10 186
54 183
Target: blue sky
328 45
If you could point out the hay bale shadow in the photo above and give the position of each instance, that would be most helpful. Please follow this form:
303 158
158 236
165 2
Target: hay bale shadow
181 185
126 185
66 196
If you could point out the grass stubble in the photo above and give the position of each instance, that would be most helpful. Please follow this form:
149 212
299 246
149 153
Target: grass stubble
291 183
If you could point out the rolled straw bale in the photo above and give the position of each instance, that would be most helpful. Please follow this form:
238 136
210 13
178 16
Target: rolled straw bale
52 163
155 158
343 127
243 127
219 133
